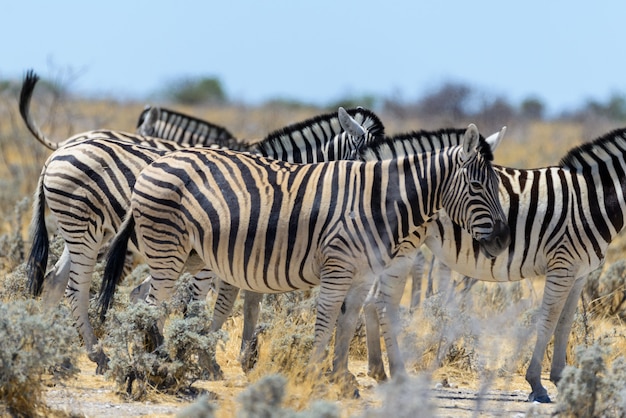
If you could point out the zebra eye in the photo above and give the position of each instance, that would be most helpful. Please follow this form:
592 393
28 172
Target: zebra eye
476 185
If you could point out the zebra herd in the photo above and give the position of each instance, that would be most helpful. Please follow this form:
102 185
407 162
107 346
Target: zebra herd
330 202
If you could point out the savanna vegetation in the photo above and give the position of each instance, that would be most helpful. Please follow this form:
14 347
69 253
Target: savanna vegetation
480 341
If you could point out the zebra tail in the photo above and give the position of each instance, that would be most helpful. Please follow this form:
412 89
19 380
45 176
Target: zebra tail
38 257
28 86
116 258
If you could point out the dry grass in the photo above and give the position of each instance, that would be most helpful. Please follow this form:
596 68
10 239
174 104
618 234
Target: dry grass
485 345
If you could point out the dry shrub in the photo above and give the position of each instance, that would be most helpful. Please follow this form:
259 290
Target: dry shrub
12 245
286 341
592 388
142 362
482 333
404 398
33 343
264 399
606 291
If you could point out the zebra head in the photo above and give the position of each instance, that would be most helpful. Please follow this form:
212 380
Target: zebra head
146 124
471 196
357 135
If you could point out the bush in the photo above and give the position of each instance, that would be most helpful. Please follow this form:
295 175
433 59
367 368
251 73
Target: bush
264 398
171 365
590 389
607 291
33 343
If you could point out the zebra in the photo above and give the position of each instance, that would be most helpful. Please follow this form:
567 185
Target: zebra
562 219
163 123
305 141
86 183
270 226
344 149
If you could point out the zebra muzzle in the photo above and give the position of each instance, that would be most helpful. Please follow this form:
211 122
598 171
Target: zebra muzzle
497 241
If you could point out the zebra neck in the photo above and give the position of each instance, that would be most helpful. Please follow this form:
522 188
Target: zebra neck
415 189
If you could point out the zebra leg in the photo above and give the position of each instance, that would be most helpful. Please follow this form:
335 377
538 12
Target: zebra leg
556 291
429 283
203 282
392 295
445 288
563 329
77 292
56 280
375 365
416 279
346 326
387 303
249 353
226 297
334 285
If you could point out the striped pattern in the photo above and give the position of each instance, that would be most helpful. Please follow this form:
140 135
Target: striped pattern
183 129
270 226
562 219
86 183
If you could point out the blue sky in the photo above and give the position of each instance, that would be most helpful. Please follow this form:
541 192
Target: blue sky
562 52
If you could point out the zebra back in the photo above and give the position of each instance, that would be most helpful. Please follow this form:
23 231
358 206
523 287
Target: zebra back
424 141
184 129
311 140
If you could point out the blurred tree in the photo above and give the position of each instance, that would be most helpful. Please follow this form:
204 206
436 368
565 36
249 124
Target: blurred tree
451 99
613 109
532 108
495 112
195 91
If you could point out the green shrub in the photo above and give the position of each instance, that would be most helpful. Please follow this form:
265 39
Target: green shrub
33 343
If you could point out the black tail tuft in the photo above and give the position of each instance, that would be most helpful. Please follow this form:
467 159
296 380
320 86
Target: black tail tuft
116 259
38 257
28 86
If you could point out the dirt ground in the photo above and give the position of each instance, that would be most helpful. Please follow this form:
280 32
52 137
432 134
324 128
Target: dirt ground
91 395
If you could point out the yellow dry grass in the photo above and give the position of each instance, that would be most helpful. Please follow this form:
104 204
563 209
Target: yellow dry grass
526 146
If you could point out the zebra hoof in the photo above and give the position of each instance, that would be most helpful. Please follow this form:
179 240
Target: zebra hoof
211 370
539 398
349 387
378 375
101 360
249 355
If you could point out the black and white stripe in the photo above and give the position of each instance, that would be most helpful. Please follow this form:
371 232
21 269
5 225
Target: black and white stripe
86 184
269 226
185 130
562 219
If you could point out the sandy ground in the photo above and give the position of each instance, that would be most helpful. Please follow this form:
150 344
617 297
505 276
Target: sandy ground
92 395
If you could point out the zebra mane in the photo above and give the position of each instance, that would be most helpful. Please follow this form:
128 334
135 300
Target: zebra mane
418 142
590 153
317 131
175 126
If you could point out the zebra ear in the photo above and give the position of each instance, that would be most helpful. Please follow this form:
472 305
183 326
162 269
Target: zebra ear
350 125
470 142
147 125
494 139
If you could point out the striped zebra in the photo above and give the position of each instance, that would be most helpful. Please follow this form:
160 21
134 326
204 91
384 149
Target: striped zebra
185 130
306 141
269 226
562 219
86 183
411 143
